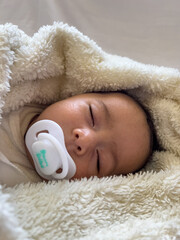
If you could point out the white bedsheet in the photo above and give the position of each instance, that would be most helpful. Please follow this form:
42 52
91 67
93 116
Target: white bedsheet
147 31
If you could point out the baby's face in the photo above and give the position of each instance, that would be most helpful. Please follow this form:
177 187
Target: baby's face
105 134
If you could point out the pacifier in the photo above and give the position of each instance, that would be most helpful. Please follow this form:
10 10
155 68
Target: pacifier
48 150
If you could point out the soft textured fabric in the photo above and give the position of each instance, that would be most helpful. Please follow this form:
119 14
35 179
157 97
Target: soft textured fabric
14 165
58 62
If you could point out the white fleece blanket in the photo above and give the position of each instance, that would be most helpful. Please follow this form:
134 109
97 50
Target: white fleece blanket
58 62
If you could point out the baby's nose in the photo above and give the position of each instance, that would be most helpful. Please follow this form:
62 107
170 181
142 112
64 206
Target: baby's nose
84 141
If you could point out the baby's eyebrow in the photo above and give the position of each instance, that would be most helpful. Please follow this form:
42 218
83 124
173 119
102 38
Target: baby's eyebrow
105 110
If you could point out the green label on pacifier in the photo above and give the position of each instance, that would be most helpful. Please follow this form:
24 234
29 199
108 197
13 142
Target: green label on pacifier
42 158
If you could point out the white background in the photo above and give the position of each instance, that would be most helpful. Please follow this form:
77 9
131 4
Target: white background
144 30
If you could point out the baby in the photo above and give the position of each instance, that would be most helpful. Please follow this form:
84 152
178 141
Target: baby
105 133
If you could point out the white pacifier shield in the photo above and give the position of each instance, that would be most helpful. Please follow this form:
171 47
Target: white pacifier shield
48 150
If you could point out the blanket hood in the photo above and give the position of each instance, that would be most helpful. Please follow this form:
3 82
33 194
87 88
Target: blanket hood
59 61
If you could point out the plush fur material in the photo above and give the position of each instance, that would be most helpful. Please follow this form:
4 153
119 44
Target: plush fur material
58 62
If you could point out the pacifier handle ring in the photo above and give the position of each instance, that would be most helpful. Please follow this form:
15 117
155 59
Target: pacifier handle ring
64 162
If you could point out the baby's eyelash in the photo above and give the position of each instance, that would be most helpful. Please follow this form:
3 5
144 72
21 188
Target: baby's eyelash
91 113
98 162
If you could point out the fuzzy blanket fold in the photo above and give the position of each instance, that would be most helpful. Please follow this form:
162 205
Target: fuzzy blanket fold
58 62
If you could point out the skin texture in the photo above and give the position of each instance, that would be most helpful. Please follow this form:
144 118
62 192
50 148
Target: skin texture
105 134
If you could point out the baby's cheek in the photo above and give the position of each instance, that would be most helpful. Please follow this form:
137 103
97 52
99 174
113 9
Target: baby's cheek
81 171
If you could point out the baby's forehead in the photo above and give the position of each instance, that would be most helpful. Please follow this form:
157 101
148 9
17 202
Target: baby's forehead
115 100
